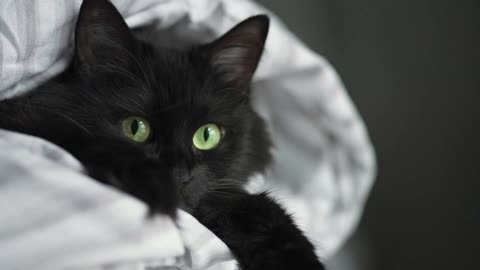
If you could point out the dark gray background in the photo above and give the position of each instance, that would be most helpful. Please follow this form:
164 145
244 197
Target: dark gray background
408 66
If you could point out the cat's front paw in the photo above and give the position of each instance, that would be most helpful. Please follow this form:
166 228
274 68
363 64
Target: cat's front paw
148 180
126 166
144 178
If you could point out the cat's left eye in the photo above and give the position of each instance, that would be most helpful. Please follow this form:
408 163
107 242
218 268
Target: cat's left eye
207 137
136 128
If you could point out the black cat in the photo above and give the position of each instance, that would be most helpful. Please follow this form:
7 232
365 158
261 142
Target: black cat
173 128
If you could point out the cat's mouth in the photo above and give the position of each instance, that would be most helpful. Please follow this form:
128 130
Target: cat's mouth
187 205
186 200
190 191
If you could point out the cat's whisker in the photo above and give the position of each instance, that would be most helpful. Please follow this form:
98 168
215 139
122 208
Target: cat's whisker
120 70
36 106
217 192
225 90
75 122
134 58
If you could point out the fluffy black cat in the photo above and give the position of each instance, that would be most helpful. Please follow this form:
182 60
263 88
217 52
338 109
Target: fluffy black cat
173 128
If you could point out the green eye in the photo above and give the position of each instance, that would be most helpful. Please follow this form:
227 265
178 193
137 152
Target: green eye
136 128
207 137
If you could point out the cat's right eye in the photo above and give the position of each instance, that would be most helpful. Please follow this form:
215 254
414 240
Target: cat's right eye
136 128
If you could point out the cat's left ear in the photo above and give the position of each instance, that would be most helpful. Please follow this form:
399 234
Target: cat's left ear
236 54
101 35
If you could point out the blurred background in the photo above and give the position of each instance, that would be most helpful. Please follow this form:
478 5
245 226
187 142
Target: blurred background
408 66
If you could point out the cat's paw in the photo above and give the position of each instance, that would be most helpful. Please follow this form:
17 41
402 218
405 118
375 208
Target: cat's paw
145 178
148 180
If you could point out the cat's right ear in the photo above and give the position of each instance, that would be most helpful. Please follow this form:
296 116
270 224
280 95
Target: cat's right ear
101 35
236 54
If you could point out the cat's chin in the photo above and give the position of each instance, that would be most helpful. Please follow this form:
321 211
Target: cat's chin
182 205
187 203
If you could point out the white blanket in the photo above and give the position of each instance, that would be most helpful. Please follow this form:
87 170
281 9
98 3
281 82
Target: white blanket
52 216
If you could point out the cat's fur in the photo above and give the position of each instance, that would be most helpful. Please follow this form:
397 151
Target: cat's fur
113 76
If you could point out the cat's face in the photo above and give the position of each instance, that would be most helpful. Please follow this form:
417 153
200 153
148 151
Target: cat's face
189 108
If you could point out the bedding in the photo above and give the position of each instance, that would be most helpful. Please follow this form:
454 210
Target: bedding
54 217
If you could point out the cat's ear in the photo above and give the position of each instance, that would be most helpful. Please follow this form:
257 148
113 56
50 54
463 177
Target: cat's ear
101 34
236 54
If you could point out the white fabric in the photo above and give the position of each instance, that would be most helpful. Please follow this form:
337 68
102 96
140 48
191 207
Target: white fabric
54 217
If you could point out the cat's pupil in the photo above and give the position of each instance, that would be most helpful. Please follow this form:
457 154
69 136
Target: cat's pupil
134 127
206 134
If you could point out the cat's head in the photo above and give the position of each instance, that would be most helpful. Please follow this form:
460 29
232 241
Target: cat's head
190 108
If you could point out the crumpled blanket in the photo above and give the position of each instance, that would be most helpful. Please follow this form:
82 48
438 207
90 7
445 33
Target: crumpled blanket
53 216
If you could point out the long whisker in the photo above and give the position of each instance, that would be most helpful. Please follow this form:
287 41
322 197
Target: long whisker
36 106
75 122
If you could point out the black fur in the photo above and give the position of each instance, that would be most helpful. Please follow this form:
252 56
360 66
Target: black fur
113 76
